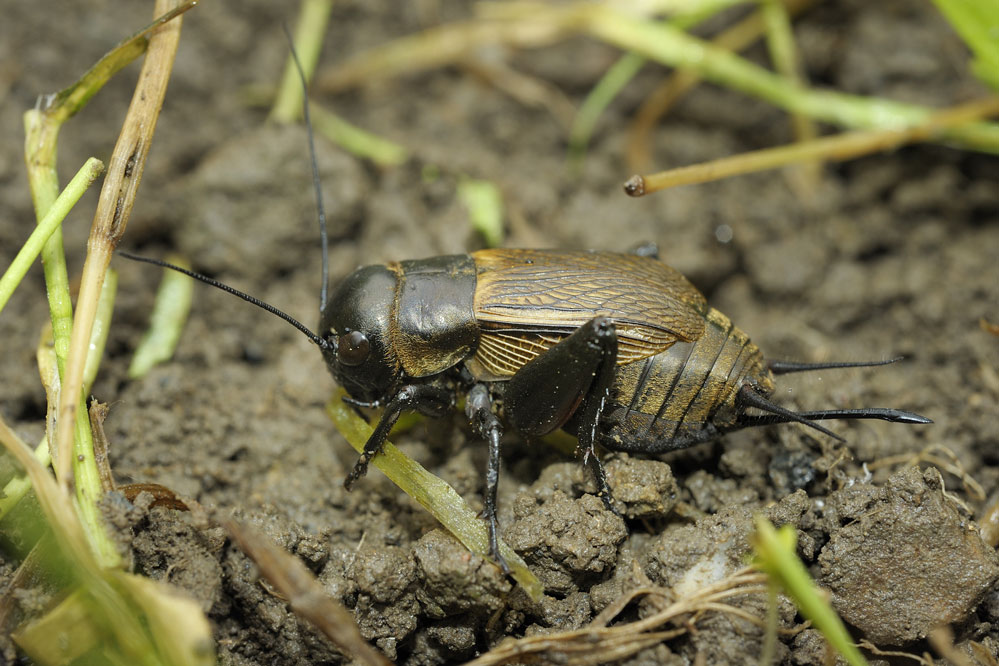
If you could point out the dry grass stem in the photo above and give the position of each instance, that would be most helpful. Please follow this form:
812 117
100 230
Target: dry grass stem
988 521
598 643
925 660
736 38
942 640
787 62
113 209
98 412
529 91
846 145
939 456
440 46
305 595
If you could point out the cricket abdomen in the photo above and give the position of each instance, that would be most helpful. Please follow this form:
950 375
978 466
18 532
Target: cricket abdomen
686 394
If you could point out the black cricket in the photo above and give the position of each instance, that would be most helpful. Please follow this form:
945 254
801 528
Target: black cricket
617 349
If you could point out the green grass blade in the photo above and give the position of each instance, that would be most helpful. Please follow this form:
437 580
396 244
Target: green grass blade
774 554
166 324
313 17
619 75
69 101
432 493
484 203
102 326
669 46
607 88
32 247
355 140
978 24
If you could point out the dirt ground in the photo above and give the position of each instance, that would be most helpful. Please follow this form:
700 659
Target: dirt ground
894 254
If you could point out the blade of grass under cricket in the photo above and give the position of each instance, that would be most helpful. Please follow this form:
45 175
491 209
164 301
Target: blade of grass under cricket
432 493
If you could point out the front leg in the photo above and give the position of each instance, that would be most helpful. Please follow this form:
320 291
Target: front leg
479 409
572 380
427 399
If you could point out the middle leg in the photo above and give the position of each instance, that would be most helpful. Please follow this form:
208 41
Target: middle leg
479 409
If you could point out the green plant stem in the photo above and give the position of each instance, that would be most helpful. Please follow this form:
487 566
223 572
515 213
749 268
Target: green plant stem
173 302
607 88
121 608
41 134
125 167
673 47
784 55
355 140
774 555
102 326
40 151
87 482
313 17
69 534
57 212
18 487
89 488
42 127
616 78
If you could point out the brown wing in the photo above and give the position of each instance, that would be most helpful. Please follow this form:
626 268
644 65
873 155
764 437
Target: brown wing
526 300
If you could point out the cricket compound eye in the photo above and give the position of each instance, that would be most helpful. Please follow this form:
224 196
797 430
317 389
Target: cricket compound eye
352 348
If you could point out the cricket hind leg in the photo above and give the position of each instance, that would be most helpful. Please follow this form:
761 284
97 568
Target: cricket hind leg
568 383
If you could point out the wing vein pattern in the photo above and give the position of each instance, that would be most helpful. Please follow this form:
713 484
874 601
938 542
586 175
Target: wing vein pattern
528 300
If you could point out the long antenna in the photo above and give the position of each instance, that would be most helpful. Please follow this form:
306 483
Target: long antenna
322 343
315 171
